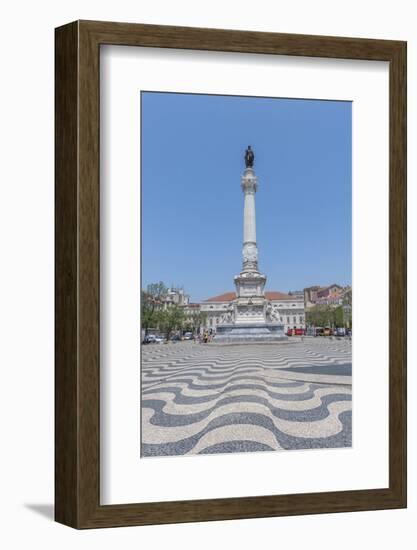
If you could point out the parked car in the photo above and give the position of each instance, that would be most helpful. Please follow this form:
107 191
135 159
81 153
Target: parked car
188 336
153 339
175 338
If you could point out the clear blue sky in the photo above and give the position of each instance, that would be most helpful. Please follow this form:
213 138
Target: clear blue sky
192 204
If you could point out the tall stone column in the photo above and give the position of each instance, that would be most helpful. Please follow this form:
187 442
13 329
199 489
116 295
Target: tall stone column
250 303
250 248
249 319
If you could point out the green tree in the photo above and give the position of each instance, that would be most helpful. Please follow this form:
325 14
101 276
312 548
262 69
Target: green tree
326 316
347 308
197 319
338 316
194 321
152 301
318 316
170 319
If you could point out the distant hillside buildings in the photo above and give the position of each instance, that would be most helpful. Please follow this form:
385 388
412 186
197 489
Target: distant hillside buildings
176 296
332 295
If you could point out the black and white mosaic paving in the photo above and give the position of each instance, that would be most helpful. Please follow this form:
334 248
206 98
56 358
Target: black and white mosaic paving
208 398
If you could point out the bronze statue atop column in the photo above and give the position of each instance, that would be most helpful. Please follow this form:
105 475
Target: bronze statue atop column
249 157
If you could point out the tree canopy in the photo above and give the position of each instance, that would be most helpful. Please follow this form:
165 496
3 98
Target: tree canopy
157 314
152 300
328 316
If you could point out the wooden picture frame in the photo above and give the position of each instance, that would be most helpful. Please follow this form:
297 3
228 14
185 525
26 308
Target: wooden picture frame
77 382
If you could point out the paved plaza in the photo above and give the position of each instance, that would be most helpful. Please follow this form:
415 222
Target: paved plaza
212 398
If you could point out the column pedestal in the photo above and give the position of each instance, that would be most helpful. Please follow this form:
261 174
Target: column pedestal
250 332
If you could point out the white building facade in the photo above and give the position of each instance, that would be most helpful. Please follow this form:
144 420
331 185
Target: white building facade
176 296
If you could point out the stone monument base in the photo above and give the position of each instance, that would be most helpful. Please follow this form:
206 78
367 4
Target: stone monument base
251 332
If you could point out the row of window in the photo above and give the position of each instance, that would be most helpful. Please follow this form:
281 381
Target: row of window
213 321
280 305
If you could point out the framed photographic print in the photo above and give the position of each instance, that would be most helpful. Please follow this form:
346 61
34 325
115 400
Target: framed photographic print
230 274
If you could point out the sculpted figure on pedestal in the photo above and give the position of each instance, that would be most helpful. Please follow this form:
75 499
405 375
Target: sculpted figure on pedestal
272 313
249 157
227 316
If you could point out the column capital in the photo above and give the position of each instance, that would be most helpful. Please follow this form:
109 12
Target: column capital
249 181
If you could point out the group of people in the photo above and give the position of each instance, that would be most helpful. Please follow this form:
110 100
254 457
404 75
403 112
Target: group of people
205 337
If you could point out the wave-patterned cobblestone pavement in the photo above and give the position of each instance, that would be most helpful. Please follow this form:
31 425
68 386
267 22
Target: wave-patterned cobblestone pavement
208 398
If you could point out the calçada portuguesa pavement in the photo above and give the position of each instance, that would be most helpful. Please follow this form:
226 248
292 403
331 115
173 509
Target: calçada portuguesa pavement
211 398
